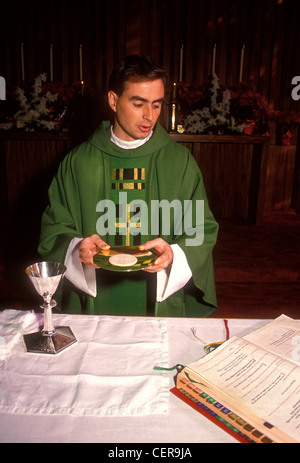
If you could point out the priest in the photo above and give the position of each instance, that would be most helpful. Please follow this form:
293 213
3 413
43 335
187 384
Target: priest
159 203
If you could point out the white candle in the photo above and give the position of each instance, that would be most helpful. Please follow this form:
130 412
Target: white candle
22 63
51 63
80 63
181 64
213 66
242 64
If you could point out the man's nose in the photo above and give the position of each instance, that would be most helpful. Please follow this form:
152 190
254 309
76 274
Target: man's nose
148 112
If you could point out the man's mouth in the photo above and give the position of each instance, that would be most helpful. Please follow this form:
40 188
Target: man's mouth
145 128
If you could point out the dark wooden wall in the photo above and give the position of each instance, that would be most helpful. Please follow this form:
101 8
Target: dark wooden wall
109 30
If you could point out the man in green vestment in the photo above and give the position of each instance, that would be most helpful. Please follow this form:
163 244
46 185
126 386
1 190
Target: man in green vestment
159 202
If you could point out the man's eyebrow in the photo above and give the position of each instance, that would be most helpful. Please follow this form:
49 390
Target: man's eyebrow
139 98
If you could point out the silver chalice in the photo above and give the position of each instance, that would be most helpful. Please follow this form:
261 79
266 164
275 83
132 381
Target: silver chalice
45 277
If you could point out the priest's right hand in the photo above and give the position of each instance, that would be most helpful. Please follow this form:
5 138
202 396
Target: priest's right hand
88 247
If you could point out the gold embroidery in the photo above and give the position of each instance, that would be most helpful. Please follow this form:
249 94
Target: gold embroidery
134 173
128 225
128 186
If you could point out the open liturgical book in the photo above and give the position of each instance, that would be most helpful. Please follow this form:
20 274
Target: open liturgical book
250 386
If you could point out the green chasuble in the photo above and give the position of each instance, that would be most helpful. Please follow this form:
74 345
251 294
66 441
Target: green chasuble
157 191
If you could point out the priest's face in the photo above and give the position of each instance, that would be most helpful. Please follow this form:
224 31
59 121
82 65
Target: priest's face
137 108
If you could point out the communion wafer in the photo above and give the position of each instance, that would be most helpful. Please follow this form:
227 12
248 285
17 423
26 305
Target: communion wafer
123 260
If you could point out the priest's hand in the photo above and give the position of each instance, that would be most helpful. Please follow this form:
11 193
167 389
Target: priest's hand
88 247
165 252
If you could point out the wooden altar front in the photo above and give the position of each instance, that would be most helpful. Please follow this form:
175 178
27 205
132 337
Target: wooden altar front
27 164
233 171
244 175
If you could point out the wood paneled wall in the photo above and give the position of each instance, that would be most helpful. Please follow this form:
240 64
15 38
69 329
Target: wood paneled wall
109 30
231 167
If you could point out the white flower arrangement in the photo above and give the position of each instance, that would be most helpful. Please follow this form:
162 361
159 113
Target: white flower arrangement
33 114
216 118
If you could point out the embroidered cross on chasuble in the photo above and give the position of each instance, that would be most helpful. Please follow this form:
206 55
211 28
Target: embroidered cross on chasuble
132 181
134 290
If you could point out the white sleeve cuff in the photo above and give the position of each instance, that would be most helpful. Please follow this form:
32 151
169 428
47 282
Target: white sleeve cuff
81 276
175 277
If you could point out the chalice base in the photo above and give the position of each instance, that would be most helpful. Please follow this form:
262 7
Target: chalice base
39 343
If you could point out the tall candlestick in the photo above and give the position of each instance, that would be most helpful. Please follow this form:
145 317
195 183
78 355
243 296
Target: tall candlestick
22 63
181 64
51 63
242 64
213 66
173 109
80 63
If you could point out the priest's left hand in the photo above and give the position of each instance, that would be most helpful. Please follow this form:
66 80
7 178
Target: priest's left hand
165 252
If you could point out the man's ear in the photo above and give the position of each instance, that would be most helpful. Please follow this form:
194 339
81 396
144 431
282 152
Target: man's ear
112 100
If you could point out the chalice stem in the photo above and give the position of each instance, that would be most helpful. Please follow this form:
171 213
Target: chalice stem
48 329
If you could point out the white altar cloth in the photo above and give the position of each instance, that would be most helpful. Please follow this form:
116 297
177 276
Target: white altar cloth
117 355
108 371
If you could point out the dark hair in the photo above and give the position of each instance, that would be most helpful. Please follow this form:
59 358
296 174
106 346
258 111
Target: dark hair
135 68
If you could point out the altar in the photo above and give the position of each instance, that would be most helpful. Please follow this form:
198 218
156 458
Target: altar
111 386
225 65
